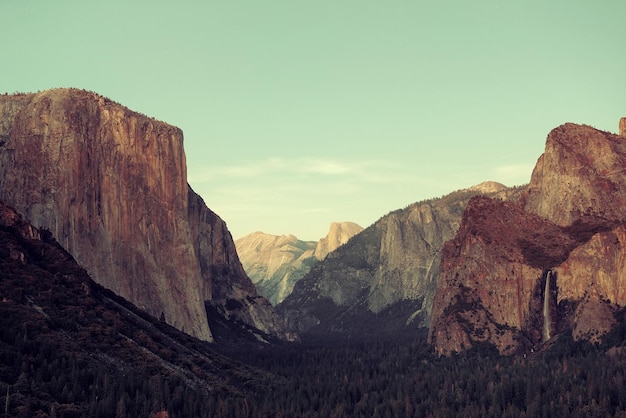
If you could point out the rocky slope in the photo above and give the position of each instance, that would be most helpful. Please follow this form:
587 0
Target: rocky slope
111 185
568 228
276 263
69 347
385 276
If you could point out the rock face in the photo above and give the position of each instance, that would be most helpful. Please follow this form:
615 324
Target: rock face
387 273
580 175
111 185
338 234
567 226
276 263
492 277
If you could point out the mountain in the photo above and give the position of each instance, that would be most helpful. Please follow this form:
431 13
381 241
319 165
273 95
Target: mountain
111 185
69 347
276 263
518 273
384 278
338 234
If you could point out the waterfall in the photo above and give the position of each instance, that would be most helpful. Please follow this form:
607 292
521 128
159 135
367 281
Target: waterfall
547 323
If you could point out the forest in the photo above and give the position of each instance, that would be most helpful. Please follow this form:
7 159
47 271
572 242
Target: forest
70 348
404 379
355 379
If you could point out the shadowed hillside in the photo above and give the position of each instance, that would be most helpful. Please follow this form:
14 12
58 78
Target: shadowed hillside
70 347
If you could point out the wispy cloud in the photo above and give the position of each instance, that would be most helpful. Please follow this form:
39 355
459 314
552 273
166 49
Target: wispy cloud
326 167
283 192
374 171
288 195
513 174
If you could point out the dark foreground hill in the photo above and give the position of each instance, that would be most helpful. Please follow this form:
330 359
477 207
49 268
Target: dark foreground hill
72 348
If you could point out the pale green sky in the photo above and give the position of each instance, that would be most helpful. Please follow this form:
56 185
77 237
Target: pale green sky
299 113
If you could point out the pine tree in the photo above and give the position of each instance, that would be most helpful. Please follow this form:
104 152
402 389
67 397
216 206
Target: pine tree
120 411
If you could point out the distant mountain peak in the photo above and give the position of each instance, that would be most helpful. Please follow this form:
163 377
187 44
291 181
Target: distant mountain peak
276 262
488 187
338 234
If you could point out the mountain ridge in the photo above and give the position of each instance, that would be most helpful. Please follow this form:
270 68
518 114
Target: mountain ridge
276 262
386 273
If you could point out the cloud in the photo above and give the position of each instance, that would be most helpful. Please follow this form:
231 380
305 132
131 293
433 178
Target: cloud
513 174
315 210
326 167
283 195
282 187
289 167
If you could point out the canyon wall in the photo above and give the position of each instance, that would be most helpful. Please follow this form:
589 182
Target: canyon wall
111 186
386 274
569 222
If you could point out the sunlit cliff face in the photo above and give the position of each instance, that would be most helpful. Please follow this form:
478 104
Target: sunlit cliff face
111 185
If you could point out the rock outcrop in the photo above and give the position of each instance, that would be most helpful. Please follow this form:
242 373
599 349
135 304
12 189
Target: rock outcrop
111 186
579 176
338 234
567 226
492 277
276 263
392 265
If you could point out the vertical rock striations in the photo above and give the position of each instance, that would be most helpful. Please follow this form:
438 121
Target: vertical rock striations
386 275
579 183
489 287
580 177
111 185
568 226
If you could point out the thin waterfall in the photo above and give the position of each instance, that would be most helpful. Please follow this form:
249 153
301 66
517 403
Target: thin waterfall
547 323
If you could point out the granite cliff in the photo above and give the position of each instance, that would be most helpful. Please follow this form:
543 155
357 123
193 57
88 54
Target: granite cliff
338 234
276 263
518 273
384 278
111 185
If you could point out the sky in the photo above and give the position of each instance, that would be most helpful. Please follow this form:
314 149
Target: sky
299 113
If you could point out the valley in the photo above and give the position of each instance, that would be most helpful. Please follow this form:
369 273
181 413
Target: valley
122 294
